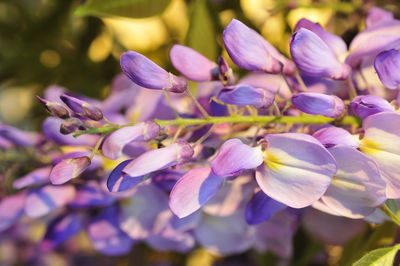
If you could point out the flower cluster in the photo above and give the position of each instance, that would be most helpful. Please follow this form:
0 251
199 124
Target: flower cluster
234 166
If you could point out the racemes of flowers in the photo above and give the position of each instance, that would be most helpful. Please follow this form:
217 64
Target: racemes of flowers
226 166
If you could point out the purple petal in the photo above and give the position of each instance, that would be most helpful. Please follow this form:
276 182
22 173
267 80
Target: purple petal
297 171
106 236
366 105
381 143
159 159
137 217
378 16
261 207
51 129
192 64
90 194
193 190
166 180
11 209
113 145
252 52
231 197
61 229
118 182
166 237
82 108
336 43
325 227
146 73
331 136
225 235
42 201
314 57
372 41
357 188
67 169
386 65
18 137
318 104
234 156
272 83
246 95
36 177
276 234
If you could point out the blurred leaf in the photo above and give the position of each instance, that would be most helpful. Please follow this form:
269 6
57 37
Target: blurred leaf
202 30
379 257
383 235
123 8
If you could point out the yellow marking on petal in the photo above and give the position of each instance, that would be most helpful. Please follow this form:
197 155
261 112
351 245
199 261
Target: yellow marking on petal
369 146
272 161
111 164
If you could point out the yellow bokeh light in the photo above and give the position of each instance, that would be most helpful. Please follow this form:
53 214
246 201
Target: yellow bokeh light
320 15
50 58
138 34
101 47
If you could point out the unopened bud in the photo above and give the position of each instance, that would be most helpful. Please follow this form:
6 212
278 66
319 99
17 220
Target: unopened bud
92 112
225 72
71 125
82 108
54 108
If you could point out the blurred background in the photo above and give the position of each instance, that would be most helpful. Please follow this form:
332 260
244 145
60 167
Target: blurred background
77 44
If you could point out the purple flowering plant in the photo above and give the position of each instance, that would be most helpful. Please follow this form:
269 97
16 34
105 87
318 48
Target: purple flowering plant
240 163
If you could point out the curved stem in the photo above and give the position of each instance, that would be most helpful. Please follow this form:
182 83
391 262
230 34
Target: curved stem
316 119
353 91
390 214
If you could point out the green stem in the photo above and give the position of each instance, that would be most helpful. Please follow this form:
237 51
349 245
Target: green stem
390 214
348 120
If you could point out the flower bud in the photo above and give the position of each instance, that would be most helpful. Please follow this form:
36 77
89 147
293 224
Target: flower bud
225 72
246 95
54 108
319 104
68 169
71 125
249 50
148 74
366 105
82 108
192 64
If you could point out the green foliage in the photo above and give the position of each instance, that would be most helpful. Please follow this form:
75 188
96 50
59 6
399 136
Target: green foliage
202 32
379 257
123 8
383 235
